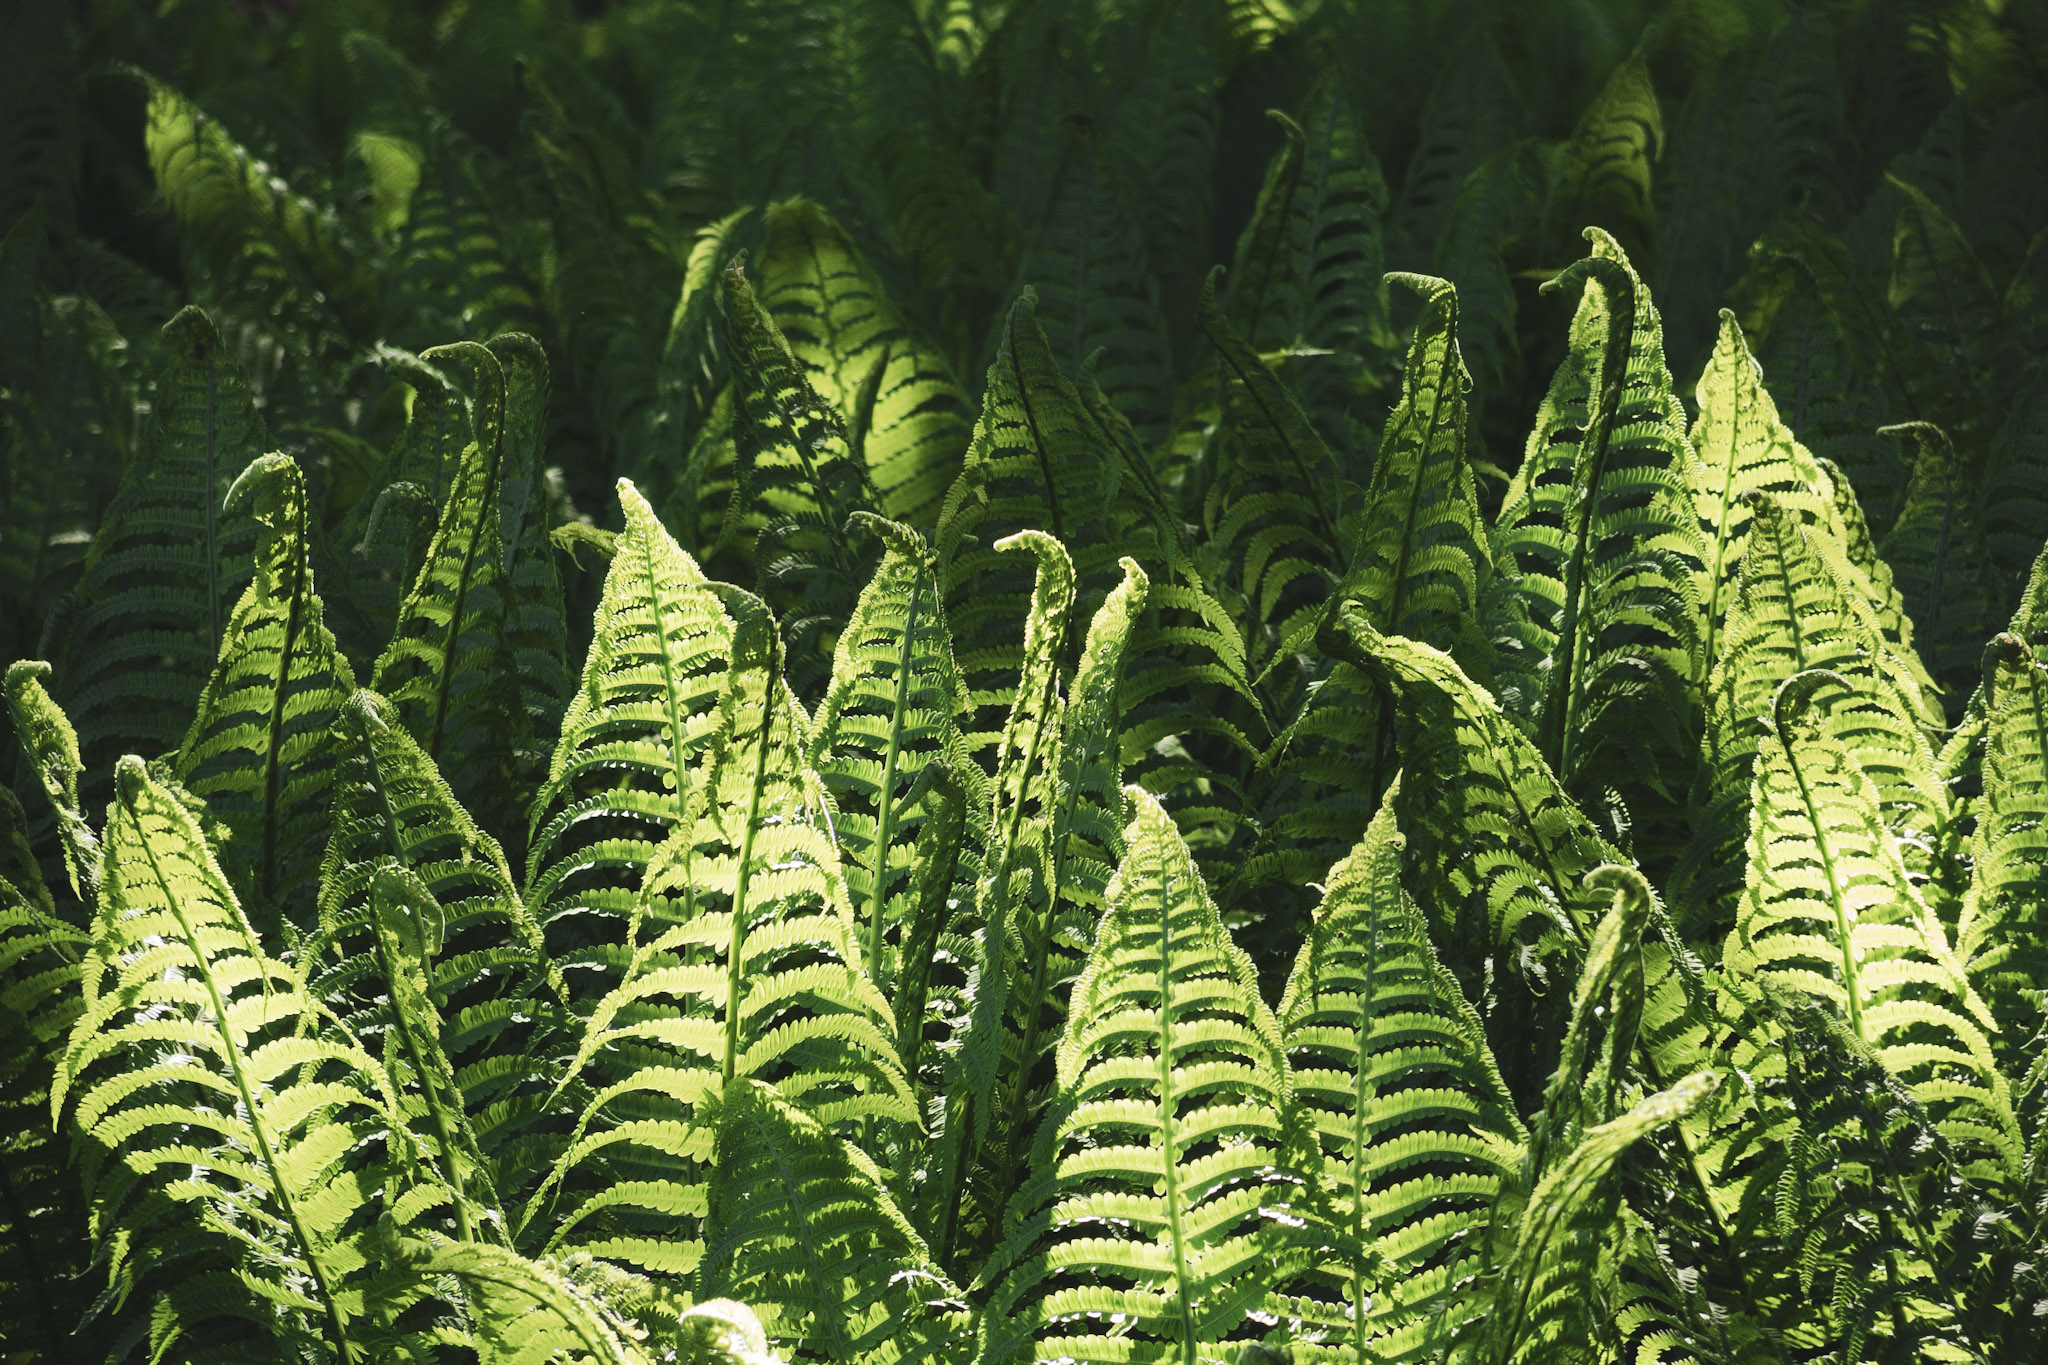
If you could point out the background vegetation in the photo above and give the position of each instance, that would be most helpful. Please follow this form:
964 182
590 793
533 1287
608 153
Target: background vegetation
1055 680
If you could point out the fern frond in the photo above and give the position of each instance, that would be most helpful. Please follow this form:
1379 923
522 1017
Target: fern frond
1604 174
1416 1125
891 711
253 1143
1935 549
1164 1184
1500 850
166 566
1829 910
257 750
801 1229
536 628
1999 939
51 747
1600 542
644 717
740 963
448 670
795 466
906 418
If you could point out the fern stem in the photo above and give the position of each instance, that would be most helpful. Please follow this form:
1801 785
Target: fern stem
1168 1103
443 1137
885 813
232 1054
734 962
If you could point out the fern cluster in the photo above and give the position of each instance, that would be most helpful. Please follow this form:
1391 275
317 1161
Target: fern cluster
885 681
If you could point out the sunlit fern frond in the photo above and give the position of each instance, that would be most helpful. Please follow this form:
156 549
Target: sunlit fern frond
1793 610
741 963
891 711
1999 939
234 1141
1829 910
797 468
1499 849
1163 1206
1599 539
907 420
801 1229
448 671
50 746
1416 1126
257 750
634 739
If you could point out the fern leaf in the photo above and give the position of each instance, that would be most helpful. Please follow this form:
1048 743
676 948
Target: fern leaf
1793 611
801 1228
1601 543
796 467
1604 175
1501 850
448 669
1935 549
907 420
741 963
536 632
1162 1183
51 747
891 711
1998 939
166 566
643 719
1416 1126
257 749
203 1082
1828 910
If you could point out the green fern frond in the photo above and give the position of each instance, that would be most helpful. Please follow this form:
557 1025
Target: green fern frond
448 669
643 720
741 963
536 626
1543 1302
1935 549
1945 314
907 420
210 1095
51 747
166 566
1792 611
1743 447
1604 174
257 750
1163 1206
1598 538
1829 910
891 711
797 468
1417 1128
801 1229
2013 496
1999 938
1501 852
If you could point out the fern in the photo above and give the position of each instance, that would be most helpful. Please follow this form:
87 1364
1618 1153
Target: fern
1163 1184
1416 1125
448 667
50 745
1829 910
1599 543
248 1143
256 751
906 419
165 566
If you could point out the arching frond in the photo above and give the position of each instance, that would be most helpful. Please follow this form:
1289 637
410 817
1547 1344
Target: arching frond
50 746
1416 1125
235 1143
1828 910
1163 1184
257 749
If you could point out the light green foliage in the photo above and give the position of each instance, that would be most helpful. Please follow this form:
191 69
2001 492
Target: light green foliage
1165 1195
1416 1126
256 749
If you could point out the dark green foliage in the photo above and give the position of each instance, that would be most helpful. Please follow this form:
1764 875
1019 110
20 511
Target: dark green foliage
914 682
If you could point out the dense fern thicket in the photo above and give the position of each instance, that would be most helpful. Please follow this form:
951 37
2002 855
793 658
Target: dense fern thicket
968 682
